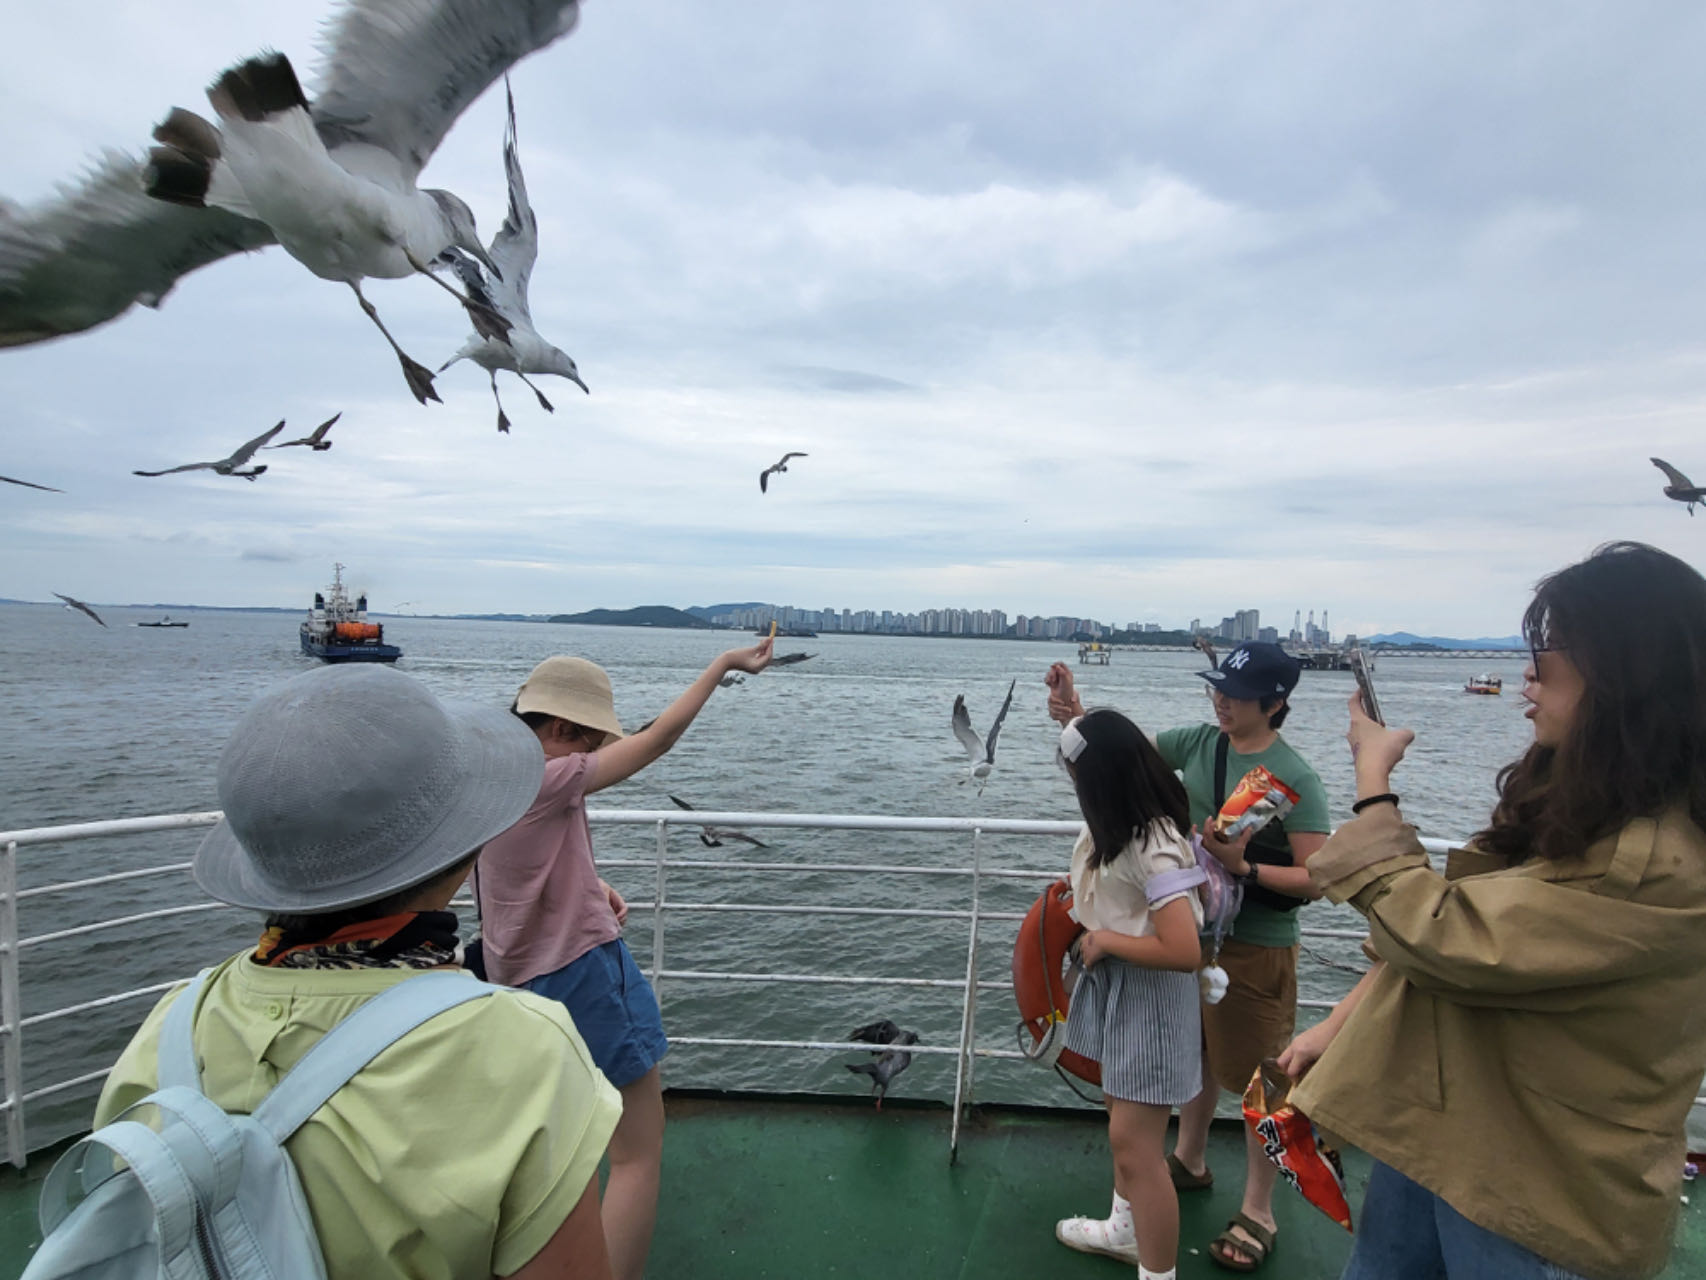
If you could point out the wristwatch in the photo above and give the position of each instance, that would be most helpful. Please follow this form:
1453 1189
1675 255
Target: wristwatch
1248 879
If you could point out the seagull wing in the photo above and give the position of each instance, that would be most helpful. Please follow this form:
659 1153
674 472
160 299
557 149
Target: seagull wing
397 73
764 480
29 485
786 456
247 451
1676 477
680 803
188 466
78 605
89 252
964 732
741 835
515 248
995 729
319 432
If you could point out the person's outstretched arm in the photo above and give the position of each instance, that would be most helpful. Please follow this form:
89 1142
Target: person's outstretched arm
627 756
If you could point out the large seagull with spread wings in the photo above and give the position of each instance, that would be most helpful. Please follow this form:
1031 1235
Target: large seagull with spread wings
332 180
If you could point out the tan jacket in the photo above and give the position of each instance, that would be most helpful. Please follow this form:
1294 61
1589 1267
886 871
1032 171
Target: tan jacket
1530 1049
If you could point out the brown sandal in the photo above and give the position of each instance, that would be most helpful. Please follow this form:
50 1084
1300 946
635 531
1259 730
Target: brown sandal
1257 1247
1184 1179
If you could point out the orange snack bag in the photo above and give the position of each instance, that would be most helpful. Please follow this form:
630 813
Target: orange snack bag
1258 799
1291 1142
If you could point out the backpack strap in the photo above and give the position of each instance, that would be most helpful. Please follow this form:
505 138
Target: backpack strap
1165 883
357 1040
176 1067
156 1167
1635 845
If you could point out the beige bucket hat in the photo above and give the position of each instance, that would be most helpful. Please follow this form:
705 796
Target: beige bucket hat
575 690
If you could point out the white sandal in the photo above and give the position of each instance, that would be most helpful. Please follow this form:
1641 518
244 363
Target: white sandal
1096 1235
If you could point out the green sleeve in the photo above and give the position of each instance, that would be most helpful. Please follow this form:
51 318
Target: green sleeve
1177 746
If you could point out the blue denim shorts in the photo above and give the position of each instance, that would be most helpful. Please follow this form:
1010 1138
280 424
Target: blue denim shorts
614 1010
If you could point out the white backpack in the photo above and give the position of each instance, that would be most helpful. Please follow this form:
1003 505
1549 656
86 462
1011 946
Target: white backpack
203 1194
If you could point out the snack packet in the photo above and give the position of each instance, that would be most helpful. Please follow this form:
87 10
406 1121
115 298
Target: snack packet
1257 800
1291 1142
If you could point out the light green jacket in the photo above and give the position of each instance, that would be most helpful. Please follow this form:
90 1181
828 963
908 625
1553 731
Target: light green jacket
1531 1047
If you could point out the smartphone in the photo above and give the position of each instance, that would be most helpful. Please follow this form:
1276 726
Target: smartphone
1365 683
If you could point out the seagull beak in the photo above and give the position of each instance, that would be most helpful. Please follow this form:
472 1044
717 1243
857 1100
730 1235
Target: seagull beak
486 261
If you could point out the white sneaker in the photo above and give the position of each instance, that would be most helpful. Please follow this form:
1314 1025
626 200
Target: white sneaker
1097 1235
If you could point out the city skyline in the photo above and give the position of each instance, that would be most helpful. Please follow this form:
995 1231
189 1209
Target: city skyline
1242 624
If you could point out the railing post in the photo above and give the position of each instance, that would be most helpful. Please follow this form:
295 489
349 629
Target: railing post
11 1017
657 913
968 1015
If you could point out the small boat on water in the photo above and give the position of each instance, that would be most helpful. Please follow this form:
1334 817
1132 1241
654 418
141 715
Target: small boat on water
163 622
1484 684
336 630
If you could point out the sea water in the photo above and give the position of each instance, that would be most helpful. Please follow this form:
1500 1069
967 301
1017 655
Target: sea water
126 721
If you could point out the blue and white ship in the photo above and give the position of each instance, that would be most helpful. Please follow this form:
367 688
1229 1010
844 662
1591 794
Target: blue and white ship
336 630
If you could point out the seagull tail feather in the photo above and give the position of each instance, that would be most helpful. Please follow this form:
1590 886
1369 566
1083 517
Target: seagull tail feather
177 177
258 88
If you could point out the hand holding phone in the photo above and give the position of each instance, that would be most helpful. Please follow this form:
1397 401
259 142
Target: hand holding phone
1365 685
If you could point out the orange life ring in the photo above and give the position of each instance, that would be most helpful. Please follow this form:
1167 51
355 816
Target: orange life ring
1039 977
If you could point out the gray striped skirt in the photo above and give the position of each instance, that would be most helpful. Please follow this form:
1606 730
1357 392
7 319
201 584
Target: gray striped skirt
1144 1026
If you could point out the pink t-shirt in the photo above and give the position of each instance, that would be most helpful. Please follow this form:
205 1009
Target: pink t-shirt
540 901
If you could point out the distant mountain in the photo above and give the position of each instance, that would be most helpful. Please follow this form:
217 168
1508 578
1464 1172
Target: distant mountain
647 615
709 611
1406 639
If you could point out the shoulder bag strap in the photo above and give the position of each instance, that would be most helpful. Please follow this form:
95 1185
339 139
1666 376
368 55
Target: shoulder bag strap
1635 845
176 1066
1220 749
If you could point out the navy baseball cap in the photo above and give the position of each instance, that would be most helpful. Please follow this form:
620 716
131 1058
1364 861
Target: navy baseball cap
1255 670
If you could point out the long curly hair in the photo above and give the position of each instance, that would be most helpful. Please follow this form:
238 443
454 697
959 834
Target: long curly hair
1123 785
1632 621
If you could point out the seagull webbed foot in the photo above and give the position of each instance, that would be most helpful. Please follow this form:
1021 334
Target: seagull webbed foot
503 421
419 379
550 408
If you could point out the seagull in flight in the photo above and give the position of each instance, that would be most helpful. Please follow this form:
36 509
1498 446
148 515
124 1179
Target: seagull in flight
1680 487
730 680
226 466
514 250
316 441
981 752
71 602
713 837
28 484
333 181
764 475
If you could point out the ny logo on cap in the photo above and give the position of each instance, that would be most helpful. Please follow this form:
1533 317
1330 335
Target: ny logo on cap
1238 660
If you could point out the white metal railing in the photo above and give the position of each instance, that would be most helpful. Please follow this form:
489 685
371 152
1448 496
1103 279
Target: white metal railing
965 1051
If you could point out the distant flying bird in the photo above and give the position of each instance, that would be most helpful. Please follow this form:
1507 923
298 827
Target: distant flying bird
764 475
789 659
226 466
889 1062
317 441
981 752
30 485
712 837
729 680
333 182
1205 646
1680 487
71 602
514 249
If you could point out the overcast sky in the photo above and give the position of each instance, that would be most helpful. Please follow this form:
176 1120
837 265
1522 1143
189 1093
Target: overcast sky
1135 311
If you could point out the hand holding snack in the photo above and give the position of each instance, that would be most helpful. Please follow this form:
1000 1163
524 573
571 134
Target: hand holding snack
1257 800
1290 1141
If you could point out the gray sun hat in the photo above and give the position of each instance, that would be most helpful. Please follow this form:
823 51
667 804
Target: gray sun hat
351 783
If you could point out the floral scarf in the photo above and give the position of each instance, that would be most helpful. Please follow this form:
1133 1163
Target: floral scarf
408 940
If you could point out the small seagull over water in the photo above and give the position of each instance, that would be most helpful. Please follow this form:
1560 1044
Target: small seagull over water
729 681
1680 487
333 181
764 475
30 485
889 1062
226 466
71 602
316 441
514 249
981 752
713 837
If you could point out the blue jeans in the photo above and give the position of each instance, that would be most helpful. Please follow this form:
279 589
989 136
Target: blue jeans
1408 1233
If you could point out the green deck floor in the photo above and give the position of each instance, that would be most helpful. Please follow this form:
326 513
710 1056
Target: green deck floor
756 1187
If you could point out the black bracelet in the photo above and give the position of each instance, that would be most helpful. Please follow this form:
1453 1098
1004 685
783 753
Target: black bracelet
1382 798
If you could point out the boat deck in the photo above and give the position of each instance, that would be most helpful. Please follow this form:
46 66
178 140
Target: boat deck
792 1187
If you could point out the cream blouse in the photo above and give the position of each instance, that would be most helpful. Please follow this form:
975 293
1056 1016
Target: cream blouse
1112 896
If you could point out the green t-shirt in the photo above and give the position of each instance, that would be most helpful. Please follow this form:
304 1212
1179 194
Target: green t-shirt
1191 751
